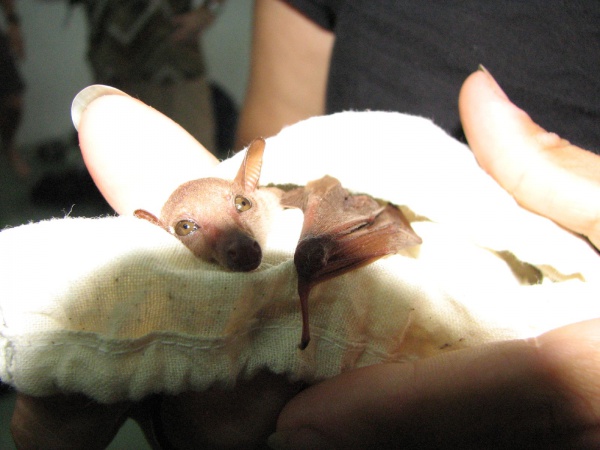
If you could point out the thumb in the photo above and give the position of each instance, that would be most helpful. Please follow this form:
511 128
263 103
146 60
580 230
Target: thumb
136 155
545 173
537 393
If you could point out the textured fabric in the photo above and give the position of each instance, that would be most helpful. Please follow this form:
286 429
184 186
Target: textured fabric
412 56
117 308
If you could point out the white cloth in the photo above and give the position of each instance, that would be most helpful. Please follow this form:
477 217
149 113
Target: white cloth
116 308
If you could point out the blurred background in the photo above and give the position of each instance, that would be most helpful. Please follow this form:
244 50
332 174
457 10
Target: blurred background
54 70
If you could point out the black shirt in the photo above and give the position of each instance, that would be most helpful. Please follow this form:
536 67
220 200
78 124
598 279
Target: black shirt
412 56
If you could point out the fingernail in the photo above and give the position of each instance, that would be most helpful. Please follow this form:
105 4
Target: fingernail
300 439
87 96
493 83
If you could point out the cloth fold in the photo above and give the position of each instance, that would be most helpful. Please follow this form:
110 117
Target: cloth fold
116 308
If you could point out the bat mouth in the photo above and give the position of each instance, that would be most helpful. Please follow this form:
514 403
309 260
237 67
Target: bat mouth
246 267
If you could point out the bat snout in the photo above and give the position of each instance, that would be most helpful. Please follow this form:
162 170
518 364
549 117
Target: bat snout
243 254
312 254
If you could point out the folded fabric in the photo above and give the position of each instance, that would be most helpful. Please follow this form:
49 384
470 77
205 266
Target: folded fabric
116 308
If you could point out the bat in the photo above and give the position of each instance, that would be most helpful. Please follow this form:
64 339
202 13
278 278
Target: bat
341 232
223 221
227 222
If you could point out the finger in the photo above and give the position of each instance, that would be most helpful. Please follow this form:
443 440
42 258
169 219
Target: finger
544 173
65 421
136 155
239 417
543 393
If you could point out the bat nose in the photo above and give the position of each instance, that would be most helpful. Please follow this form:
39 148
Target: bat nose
244 254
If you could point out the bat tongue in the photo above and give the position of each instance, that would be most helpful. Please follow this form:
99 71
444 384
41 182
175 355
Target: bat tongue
304 287
311 260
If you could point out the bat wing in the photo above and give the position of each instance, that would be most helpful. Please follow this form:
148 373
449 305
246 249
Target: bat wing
341 232
329 208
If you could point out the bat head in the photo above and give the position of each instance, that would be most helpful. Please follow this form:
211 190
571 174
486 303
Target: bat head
223 221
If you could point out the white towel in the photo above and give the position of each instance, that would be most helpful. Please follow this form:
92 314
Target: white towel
116 308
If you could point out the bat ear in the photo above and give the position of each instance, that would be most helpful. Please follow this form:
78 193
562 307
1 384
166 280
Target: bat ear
249 173
143 214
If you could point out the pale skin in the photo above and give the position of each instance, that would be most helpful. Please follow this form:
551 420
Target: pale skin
288 74
543 391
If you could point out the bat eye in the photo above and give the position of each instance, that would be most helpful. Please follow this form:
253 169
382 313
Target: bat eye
185 227
242 203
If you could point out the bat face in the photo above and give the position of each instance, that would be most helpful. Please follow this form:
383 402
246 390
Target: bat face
223 221
219 222
341 232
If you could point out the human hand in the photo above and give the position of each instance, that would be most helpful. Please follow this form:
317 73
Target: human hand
242 417
190 25
547 380
545 174
112 130
536 393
